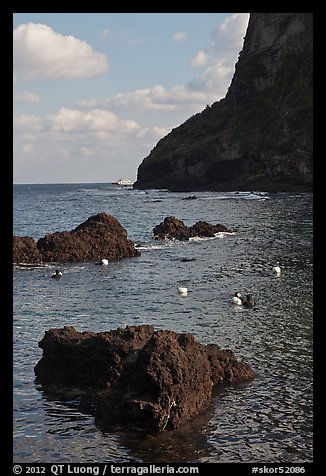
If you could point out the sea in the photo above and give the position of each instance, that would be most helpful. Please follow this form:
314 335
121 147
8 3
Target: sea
269 419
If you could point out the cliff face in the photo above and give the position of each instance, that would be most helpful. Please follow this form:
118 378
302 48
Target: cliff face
259 137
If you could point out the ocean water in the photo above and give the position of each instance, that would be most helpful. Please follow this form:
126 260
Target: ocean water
266 420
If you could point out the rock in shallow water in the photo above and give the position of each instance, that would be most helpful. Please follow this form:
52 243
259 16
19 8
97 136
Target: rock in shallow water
154 380
173 228
100 236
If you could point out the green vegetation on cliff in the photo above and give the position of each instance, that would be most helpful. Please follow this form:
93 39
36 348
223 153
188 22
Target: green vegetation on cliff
260 135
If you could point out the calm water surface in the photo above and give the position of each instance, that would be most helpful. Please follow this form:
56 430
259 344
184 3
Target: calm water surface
266 420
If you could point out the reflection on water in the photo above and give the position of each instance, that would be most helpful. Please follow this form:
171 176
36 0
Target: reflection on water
266 420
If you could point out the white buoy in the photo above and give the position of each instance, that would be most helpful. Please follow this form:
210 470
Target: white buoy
277 270
104 262
183 291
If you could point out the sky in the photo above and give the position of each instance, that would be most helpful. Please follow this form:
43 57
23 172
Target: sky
93 93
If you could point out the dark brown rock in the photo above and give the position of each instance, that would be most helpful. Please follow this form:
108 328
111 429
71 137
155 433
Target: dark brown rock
87 359
153 380
167 384
25 250
172 228
225 368
101 236
204 229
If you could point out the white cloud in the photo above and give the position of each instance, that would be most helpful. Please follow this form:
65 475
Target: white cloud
210 86
85 151
89 141
156 98
27 149
28 97
160 131
85 144
27 122
104 33
214 79
95 120
220 56
230 34
29 136
63 153
179 36
40 52
199 60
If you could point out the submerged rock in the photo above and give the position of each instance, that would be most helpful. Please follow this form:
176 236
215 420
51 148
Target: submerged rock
173 228
100 236
153 380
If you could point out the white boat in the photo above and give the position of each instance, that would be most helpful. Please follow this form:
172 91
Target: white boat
123 182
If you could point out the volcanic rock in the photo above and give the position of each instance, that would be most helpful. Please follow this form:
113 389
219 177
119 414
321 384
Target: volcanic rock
101 236
87 359
167 384
153 380
25 250
172 228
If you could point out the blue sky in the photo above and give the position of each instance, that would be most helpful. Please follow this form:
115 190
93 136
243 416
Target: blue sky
95 92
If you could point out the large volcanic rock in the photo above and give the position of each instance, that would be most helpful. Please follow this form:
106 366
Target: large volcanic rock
173 228
87 359
154 380
167 384
101 236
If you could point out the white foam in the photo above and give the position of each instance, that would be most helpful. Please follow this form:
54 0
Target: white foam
220 234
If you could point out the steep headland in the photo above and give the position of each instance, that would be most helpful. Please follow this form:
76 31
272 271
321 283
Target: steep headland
259 137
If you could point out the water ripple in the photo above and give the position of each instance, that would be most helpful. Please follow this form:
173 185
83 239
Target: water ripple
268 419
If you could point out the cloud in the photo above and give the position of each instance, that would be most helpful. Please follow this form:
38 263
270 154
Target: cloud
179 36
85 151
40 52
214 79
104 33
96 120
156 98
28 97
126 36
211 85
28 136
87 145
199 60
28 149
88 141
229 35
27 122
160 131
220 56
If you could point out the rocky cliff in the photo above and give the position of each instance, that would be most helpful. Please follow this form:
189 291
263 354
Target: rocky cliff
259 137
